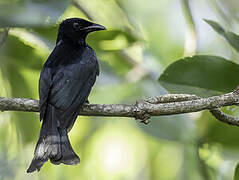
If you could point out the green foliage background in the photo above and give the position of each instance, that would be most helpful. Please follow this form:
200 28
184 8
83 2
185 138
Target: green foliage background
141 55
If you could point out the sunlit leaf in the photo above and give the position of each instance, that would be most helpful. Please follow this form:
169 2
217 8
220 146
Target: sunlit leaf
111 40
232 38
17 53
201 75
21 64
110 14
22 86
31 40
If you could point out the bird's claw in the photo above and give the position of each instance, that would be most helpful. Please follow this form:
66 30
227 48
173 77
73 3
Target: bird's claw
145 118
142 115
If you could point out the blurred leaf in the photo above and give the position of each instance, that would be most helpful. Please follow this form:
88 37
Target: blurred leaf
117 61
30 39
110 14
231 37
108 46
116 93
74 11
228 10
217 27
111 40
21 55
236 175
22 86
201 75
48 33
213 131
31 13
21 64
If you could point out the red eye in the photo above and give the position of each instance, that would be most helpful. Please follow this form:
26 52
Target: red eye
76 25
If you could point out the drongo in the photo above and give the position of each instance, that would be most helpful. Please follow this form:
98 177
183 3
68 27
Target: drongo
65 83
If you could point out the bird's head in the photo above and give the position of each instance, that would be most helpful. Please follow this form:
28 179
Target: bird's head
76 29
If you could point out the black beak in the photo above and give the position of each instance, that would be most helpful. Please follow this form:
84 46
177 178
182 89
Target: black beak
93 27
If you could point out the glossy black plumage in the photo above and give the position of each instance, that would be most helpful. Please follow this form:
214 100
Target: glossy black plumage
65 84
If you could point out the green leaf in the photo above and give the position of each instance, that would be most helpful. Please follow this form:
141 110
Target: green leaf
110 14
46 33
22 86
111 40
232 38
20 65
217 27
201 75
24 56
236 174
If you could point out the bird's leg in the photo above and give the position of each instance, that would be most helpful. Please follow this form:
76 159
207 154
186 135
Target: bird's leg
142 115
145 118
87 101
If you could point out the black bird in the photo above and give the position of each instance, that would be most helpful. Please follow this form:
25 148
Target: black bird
64 86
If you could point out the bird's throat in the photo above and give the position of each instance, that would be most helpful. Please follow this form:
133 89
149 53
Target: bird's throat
75 42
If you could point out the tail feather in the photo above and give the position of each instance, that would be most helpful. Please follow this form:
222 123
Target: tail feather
47 147
52 144
68 157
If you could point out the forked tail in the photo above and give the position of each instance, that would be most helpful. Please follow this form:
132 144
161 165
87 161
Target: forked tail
52 144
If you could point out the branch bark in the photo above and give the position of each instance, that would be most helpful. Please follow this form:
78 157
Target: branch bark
221 116
162 105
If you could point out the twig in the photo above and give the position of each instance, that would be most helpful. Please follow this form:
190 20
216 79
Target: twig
217 113
139 110
221 116
171 98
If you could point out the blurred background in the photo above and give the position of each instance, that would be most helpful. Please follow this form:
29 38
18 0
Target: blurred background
143 38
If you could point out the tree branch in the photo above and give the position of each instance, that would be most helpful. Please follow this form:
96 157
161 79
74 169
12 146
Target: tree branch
144 109
221 116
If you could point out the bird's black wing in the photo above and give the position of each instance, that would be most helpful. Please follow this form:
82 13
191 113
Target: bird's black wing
45 84
71 86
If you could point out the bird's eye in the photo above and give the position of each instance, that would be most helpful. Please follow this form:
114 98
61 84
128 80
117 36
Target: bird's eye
76 25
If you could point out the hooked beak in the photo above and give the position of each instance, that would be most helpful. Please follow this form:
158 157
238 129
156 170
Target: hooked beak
94 27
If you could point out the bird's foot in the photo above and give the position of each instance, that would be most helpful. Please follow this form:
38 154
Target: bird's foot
142 115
